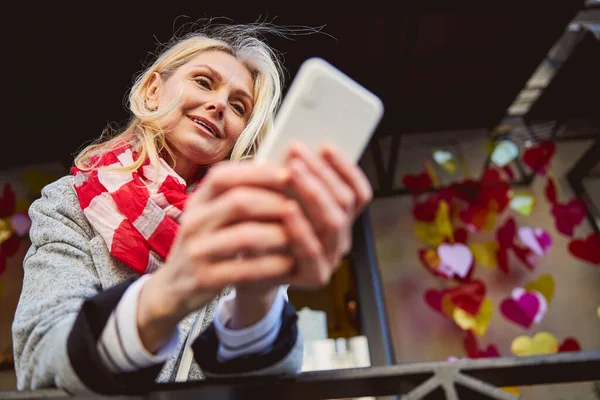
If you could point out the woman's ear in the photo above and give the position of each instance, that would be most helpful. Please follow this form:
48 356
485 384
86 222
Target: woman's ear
153 92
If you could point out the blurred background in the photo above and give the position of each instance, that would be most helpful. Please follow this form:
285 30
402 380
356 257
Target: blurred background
487 108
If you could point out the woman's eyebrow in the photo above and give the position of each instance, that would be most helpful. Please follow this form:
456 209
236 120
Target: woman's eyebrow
218 76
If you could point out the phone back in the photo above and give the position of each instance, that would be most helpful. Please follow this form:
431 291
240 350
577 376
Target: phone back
323 105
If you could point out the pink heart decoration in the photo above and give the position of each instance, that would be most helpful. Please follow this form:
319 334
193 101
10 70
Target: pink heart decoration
538 240
455 259
524 308
20 223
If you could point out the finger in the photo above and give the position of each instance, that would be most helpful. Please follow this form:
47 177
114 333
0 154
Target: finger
324 213
225 176
242 203
351 173
249 238
340 191
249 270
312 268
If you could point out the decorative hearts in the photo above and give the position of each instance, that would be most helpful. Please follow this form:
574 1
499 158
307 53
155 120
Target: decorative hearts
428 233
524 308
472 349
435 233
550 191
20 223
418 183
5 230
536 239
455 259
477 324
541 343
569 344
429 258
7 201
587 249
504 153
433 298
468 296
522 203
569 215
506 233
538 157
545 285
446 160
485 253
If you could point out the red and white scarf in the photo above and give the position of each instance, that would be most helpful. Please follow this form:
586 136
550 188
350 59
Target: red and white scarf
136 213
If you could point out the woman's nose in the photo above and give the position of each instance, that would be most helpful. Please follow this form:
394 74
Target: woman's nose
216 106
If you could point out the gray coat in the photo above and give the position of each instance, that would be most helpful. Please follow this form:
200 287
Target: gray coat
67 263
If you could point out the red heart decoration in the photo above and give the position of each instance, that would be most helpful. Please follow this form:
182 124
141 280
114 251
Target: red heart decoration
2 264
526 255
468 296
425 211
569 344
538 157
461 235
502 259
587 249
521 312
472 347
568 215
434 298
7 201
551 191
509 172
10 246
490 352
417 183
506 233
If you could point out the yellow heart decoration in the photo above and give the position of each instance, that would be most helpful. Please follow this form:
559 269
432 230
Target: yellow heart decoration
545 284
477 324
541 343
5 230
428 233
436 232
485 253
522 203
442 221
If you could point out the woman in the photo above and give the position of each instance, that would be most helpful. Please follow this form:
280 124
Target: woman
130 276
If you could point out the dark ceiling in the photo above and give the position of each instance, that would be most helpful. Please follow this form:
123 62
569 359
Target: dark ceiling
574 92
437 65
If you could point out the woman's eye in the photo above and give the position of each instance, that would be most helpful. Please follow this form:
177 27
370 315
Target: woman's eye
205 83
239 108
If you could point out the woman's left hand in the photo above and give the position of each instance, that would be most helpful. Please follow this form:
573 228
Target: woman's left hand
332 191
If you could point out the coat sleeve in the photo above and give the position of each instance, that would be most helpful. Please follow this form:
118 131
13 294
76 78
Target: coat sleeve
63 309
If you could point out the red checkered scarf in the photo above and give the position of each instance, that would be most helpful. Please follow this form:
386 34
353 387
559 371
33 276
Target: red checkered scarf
136 213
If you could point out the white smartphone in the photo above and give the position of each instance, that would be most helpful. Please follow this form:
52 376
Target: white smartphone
322 105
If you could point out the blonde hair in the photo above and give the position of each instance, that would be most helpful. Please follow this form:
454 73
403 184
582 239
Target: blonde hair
245 43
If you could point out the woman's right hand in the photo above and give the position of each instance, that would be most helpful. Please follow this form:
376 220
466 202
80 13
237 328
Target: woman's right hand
237 209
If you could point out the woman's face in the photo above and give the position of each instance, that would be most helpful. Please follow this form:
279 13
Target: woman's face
216 103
